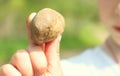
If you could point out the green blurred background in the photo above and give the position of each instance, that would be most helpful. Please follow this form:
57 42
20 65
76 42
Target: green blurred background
83 27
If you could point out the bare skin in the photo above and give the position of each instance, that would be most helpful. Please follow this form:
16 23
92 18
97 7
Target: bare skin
39 61
110 15
42 60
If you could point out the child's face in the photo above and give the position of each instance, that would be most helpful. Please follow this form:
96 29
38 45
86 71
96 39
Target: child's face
110 15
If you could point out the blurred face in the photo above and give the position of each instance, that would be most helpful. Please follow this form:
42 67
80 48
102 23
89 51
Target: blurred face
110 15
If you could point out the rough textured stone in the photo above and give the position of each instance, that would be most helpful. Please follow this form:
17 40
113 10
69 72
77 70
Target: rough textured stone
46 26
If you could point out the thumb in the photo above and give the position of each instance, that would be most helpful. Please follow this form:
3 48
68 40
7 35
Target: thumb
52 51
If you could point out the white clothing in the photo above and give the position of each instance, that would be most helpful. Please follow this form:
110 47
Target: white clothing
92 62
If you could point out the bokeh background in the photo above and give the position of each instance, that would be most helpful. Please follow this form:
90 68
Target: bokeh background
83 28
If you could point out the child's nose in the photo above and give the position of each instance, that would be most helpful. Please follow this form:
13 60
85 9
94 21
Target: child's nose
117 10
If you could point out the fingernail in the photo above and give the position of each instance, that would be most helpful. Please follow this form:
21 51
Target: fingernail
32 15
59 38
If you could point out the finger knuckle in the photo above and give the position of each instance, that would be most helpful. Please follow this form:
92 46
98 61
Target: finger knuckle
9 70
19 56
41 67
5 69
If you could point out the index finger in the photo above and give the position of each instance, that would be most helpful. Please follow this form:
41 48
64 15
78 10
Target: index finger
28 22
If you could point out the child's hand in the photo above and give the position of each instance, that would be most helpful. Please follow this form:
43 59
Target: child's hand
36 60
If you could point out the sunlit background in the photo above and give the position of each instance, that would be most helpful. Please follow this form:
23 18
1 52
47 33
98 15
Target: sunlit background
83 28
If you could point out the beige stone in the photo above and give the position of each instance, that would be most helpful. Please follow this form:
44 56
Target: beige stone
46 26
